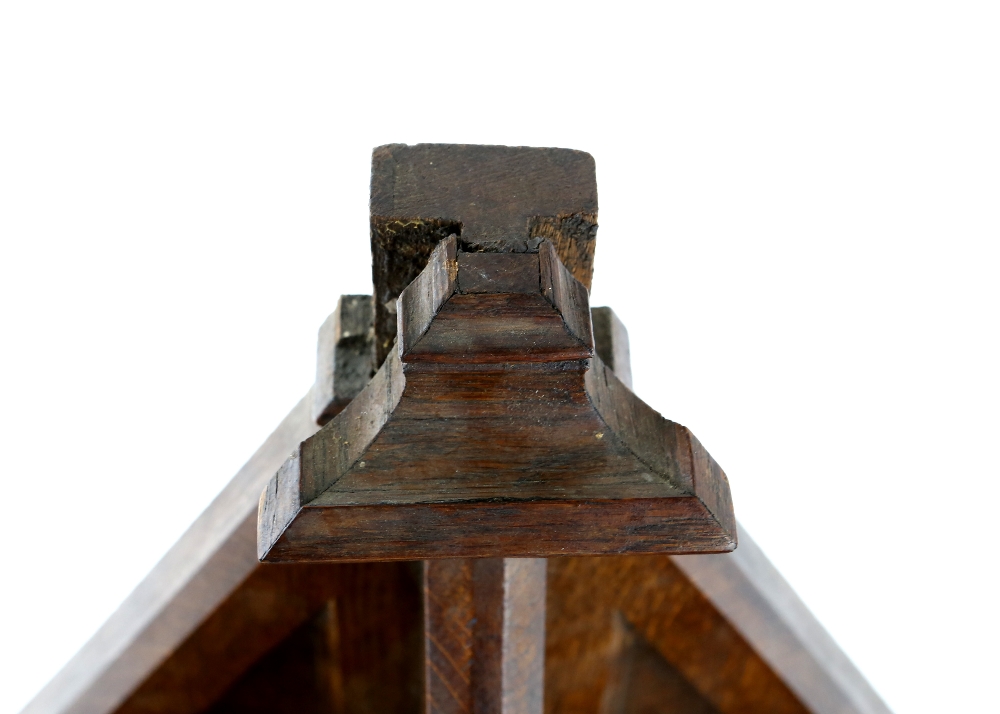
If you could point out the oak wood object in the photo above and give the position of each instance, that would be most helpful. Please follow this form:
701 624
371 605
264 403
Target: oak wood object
492 429
213 630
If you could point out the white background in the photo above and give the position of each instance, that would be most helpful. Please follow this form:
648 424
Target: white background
799 226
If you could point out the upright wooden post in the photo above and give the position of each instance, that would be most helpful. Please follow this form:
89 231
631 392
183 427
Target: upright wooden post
484 635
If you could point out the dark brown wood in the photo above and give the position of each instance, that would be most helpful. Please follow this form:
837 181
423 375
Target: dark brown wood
496 199
449 619
484 635
492 431
208 564
262 612
586 595
749 593
641 681
611 343
299 676
717 600
345 356
209 616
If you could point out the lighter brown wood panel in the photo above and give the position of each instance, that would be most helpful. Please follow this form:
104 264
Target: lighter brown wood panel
585 597
368 642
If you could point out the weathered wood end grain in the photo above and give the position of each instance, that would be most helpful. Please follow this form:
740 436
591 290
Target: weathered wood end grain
496 199
345 356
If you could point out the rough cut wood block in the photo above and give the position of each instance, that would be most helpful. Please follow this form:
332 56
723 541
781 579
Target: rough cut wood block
344 356
495 199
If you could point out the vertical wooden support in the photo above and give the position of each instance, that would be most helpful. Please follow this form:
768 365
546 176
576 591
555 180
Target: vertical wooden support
484 635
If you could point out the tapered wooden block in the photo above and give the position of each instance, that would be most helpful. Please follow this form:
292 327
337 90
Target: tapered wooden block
493 430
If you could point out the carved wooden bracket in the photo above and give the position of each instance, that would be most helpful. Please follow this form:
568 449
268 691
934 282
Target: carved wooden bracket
493 430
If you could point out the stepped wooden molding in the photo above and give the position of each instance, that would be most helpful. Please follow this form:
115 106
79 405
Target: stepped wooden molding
493 430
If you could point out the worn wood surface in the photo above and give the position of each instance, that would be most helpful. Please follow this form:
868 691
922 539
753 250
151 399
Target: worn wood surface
641 681
484 628
586 595
498 199
749 593
493 431
611 343
169 618
209 563
345 356
370 650
209 622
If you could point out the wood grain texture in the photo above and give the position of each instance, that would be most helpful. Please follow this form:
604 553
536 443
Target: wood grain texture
260 613
449 619
641 681
301 675
484 635
522 666
746 590
496 199
754 600
209 622
586 595
345 356
492 431
611 343
376 663
209 562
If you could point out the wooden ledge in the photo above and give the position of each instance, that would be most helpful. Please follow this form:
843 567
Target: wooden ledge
493 431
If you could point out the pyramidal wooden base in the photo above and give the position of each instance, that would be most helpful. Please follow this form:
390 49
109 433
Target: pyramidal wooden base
493 431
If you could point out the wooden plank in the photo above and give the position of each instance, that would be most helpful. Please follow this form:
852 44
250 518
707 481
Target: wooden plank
731 598
484 635
746 589
209 562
